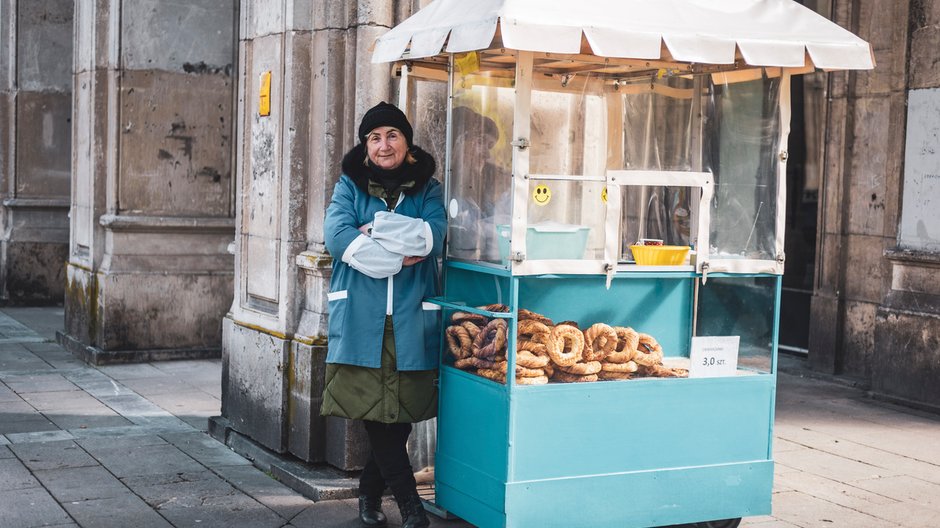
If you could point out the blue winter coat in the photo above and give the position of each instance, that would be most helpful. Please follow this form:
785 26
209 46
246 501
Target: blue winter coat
359 303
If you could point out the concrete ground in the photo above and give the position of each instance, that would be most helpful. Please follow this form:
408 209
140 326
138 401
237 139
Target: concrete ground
125 446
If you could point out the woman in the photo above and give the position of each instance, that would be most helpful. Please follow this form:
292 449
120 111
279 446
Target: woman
384 227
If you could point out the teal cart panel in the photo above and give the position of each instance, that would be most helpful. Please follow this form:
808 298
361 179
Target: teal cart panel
636 425
642 499
637 453
472 437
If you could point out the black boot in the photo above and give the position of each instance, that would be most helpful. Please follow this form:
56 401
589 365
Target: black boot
412 511
370 511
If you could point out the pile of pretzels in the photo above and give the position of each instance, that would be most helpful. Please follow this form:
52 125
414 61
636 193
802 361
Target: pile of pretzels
546 351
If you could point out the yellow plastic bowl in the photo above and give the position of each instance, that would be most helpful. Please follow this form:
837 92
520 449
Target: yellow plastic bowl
660 255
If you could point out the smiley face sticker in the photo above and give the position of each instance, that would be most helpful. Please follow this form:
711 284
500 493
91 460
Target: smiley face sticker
542 195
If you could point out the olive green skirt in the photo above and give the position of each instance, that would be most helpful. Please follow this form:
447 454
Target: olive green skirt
384 394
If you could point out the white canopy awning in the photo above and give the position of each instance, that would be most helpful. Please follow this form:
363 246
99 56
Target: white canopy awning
767 32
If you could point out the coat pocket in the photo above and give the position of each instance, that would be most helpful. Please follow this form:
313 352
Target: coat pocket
336 303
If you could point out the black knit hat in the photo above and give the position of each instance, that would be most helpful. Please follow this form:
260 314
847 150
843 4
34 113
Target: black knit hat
385 114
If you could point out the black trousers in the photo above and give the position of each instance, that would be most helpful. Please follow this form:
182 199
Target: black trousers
388 462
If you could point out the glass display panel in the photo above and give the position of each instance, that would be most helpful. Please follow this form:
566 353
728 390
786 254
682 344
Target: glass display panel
658 213
692 124
746 124
661 132
566 210
584 124
481 161
740 306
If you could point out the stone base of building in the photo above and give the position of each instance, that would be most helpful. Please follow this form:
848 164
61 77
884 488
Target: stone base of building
908 360
33 273
127 316
315 481
906 363
272 391
95 356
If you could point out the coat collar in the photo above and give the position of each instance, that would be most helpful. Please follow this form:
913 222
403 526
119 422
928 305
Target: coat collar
419 173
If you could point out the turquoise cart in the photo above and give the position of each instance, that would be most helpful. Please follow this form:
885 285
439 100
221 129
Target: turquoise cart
642 452
577 135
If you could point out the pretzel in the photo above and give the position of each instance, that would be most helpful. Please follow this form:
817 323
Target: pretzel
531 327
500 377
627 340
491 340
538 346
526 315
534 336
648 353
474 362
471 328
500 308
492 374
549 369
569 343
521 372
538 380
564 377
583 369
530 360
611 376
661 371
599 340
623 368
460 317
458 341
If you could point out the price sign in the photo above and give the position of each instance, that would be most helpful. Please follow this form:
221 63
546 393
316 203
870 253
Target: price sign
714 356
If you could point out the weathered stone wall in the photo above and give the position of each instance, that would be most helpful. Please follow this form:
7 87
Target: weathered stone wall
152 214
322 81
321 78
907 324
35 145
851 332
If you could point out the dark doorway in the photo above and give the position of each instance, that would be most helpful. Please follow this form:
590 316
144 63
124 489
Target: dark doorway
802 206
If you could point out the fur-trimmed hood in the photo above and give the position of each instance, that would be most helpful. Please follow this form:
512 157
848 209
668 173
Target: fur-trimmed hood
420 172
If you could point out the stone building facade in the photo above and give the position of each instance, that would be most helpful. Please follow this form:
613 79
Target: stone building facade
876 303
143 185
149 274
316 57
36 43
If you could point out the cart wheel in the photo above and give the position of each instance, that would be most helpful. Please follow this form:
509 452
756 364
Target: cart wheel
726 523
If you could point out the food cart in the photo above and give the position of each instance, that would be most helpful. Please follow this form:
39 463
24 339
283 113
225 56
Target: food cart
612 164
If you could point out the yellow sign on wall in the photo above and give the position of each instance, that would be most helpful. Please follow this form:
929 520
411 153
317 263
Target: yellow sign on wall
264 95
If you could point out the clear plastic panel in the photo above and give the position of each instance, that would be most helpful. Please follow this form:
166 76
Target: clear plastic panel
746 123
566 210
481 163
730 130
583 125
661 132
659 213
740 306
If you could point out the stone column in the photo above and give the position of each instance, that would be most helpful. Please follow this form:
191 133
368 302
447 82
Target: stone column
860 192
149 274
35 148
275 335
907 323
322 81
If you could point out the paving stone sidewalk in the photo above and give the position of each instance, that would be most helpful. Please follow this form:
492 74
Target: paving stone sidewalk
125 446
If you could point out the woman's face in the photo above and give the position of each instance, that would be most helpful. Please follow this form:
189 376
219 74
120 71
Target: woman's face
386 147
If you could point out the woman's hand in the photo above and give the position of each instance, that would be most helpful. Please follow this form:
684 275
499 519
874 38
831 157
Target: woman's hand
411 261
